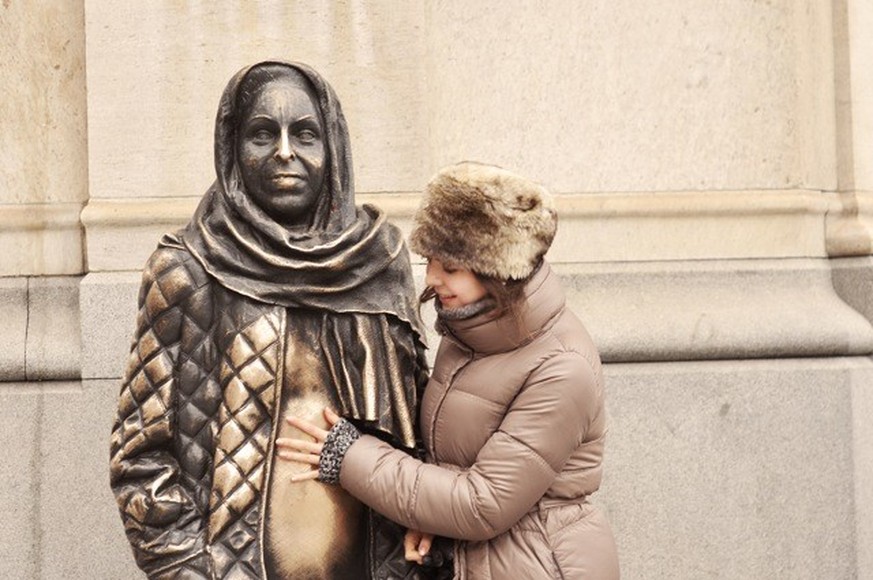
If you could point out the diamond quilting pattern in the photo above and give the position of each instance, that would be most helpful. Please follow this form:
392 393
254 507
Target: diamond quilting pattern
175 284
248 379
155 412
237 555
257 375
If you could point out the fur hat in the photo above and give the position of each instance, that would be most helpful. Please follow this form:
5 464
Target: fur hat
485 218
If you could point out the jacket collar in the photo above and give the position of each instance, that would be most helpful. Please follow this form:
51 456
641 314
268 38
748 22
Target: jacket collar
544 300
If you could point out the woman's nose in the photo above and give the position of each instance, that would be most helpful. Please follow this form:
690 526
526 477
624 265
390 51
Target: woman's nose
285 151
430 276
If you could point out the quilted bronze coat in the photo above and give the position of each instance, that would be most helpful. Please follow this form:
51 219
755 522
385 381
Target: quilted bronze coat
220 307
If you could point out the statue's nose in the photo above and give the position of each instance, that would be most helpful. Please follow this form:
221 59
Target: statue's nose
285 150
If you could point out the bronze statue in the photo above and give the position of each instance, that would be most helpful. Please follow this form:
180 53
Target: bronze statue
280 296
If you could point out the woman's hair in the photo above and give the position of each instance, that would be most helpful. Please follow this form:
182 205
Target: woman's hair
507 294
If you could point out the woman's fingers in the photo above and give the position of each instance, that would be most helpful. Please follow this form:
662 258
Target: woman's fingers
299 457
305 476
410 546
332 418
299 445
303 451
425 544
316 432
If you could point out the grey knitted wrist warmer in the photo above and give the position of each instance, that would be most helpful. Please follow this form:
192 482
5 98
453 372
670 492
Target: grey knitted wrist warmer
338 440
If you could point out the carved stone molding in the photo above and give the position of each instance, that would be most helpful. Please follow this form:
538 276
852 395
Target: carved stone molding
707 310
850 224
41 330
41 239
635 311
595 227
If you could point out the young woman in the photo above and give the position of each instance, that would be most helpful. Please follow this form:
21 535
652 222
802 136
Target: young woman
512 420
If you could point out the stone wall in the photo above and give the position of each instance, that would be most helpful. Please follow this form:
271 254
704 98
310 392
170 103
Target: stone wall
714 179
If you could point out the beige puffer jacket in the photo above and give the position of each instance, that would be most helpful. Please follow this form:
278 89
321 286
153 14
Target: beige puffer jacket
513 422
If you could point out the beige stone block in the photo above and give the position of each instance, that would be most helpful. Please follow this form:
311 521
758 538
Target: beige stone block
41 239
122 233
857 81
586 97
42 112
618 96
81 532
13 313
59 515
108 303
849 224
714 310
40 338
853 282
738 469
810 35
53 333
862 457
371 53
21 461
689 226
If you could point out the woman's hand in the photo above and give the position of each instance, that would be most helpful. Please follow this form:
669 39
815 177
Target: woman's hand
302 451
417 545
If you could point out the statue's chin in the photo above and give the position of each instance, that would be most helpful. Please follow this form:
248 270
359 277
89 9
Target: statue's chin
291 213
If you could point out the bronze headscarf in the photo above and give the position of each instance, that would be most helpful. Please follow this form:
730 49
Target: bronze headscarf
349 260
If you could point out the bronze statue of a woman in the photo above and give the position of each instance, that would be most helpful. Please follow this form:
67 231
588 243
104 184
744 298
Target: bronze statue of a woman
280 296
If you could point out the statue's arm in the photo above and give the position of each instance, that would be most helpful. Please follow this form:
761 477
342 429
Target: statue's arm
164 522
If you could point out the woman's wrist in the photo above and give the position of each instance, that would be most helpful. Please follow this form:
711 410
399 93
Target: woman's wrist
336 444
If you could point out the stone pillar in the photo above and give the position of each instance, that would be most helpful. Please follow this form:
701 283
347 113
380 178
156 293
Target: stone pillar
43 187
850 227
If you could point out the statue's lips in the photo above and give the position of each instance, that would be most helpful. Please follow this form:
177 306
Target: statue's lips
287 179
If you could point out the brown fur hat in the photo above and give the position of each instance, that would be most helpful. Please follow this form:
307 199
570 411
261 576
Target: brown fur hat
486 219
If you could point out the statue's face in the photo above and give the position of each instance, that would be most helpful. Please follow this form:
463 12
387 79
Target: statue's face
281 151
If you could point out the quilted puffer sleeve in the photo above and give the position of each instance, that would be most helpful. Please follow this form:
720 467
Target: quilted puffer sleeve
163 513
546 422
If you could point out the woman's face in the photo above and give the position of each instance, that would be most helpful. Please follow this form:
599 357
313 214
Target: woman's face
455 287
281 151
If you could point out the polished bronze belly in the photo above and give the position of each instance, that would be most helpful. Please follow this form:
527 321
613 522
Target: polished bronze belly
312 530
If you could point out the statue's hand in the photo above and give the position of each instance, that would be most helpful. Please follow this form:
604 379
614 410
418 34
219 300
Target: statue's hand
417 545
303 451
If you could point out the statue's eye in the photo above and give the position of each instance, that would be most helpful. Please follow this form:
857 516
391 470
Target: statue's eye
307 135
262 136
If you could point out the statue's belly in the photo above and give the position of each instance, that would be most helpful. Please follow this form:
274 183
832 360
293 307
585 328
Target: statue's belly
313 530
